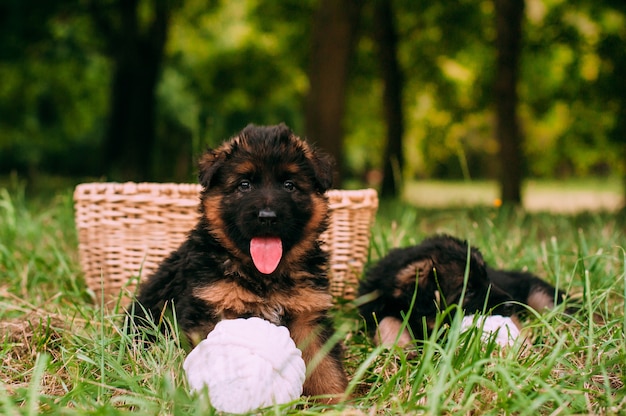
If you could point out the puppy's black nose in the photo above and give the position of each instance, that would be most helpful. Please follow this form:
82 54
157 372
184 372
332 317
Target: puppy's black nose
267 216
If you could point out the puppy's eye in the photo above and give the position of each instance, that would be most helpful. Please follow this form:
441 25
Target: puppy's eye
289 186
244 186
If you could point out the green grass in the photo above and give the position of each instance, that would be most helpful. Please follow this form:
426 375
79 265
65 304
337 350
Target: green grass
61 354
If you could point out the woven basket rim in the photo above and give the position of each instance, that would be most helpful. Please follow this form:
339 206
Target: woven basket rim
134 186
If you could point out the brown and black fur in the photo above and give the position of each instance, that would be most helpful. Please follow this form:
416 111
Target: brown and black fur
438 266
265 181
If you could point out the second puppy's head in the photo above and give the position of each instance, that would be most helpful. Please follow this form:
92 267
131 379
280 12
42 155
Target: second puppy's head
438 266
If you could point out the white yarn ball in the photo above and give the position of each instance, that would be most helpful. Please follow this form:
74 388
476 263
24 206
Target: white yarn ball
246 364
503 326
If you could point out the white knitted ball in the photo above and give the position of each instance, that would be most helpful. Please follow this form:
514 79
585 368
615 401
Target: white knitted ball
246 364
503 326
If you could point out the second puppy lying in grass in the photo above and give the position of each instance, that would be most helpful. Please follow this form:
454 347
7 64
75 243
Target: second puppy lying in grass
438 266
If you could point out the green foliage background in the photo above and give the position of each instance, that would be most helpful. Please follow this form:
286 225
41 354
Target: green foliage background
233 62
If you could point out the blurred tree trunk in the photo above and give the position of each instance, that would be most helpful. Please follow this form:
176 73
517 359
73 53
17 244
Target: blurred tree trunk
387 40
135 43
613 49
333 38
509 16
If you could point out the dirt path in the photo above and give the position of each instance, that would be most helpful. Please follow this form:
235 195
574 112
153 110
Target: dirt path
537 197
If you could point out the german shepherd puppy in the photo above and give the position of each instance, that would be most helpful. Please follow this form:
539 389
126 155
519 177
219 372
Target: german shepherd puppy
255 251
437 267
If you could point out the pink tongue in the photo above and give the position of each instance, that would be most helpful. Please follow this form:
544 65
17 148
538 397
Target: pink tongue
266 253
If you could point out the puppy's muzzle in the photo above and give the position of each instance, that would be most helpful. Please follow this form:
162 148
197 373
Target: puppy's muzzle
267 216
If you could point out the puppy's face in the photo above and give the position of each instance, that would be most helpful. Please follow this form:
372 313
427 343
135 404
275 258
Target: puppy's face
439 271
264 195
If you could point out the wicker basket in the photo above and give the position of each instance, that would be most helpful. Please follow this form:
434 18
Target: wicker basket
126 229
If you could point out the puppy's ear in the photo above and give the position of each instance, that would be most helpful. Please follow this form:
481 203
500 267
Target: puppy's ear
477 256
419 271
209 164
324 168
